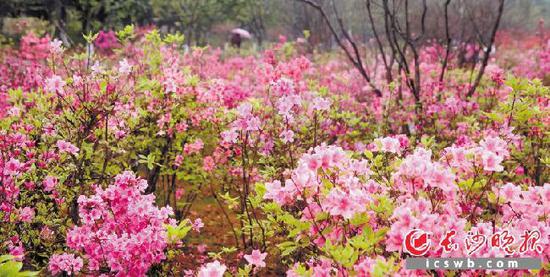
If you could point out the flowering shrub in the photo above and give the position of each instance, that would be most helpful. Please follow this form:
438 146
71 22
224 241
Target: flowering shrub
65 263
273 163
355 209
121 229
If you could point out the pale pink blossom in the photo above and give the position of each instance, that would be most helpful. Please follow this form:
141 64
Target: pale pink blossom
491 161
208 164
287 136
256 258
56 46
65 263
49 183
197 225
55 84
26 214
213 269
67 147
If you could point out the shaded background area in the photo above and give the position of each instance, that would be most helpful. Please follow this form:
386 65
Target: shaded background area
210 21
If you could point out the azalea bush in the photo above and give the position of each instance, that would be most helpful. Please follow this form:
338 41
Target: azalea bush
135 156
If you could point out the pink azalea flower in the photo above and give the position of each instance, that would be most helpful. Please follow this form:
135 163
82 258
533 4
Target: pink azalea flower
287 136
244 109
197 225
201 248
253 124
65 263
12 167
26 214
133 224
193 147
391 145
55 84
208 164
178 161
179 193
170 85
17 251
49 183
283 86
275 192
124 67
96 68
230 136
213 269
321 104
495 145
519 170
56 46
510 191
67 147
340 203
77 80
256 258
491 162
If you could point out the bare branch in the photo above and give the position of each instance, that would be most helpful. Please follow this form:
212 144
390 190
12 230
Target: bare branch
388 66
355 57
487 51
448 42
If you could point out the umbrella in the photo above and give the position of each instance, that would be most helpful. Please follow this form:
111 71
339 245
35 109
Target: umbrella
241 32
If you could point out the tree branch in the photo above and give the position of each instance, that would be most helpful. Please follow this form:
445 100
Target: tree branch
448 42
487 50
355 57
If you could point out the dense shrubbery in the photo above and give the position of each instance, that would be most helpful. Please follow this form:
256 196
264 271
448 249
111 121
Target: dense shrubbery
315 173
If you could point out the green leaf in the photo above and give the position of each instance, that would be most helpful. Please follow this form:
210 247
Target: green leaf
10 267
287 248
126 33
177 233
359 219
176 38
4 258
369 154
90 37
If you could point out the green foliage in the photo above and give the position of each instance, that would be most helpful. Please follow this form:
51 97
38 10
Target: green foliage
11 268
224 251
368 240
176 38
127 33
521 111
384 268
244 271
179 232
345 255
90 37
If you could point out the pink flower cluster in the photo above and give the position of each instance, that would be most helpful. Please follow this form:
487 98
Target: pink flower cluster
65 263
425 192
213 269
67 147
106 41
348 197
121 228
193 147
